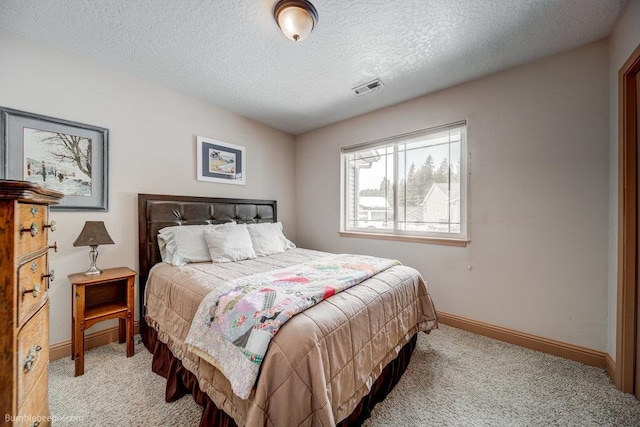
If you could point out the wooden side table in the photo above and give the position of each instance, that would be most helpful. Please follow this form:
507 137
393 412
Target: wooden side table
101 297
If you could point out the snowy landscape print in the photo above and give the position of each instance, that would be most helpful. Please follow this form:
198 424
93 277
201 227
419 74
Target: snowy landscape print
58 161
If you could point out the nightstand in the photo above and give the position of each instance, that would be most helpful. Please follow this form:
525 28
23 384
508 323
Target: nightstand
101 297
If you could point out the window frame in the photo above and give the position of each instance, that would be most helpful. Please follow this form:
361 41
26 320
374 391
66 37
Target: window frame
446 238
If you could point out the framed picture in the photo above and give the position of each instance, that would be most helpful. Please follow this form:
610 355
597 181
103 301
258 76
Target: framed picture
58 154
220 162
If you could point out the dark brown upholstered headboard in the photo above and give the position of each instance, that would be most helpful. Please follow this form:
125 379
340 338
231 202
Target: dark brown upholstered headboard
156 211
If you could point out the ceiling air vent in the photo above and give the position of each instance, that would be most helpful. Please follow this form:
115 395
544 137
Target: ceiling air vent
368 87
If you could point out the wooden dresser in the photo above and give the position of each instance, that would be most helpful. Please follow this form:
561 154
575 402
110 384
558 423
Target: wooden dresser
24 301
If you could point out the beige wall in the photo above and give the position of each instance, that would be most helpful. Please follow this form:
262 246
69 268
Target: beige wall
538 138
539 195
152 150
623 41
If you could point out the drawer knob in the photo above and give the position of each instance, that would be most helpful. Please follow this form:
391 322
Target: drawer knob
34 211
51 275
35 290
51 225
54 247
34 230
31 358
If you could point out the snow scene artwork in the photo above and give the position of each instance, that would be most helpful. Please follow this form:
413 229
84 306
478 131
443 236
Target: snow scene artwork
58 161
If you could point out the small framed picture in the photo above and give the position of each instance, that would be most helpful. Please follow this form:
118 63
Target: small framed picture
219 161
60 155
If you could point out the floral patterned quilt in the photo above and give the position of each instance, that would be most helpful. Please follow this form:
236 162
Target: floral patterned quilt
232 329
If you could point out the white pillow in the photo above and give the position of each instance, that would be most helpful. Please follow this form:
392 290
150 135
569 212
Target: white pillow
228 243
286 243
162 245
265 239
183 244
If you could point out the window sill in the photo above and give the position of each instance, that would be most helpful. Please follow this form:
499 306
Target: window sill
412 239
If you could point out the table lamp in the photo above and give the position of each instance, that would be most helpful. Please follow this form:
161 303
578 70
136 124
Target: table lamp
93 234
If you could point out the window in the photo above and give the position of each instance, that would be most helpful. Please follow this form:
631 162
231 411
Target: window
410 185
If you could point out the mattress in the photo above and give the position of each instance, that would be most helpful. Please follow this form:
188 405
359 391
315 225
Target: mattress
321 363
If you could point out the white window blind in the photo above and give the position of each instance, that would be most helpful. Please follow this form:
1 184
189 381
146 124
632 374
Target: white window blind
413 184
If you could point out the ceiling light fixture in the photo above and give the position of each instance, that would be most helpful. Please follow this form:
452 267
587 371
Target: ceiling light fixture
296 18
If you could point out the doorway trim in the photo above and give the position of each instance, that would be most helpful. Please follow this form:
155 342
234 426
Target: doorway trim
627 225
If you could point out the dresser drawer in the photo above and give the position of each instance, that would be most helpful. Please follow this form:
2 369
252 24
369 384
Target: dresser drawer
32 287
35 409
31 233
24 309
33 353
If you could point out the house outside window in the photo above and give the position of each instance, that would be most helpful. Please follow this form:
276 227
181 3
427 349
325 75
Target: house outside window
412 185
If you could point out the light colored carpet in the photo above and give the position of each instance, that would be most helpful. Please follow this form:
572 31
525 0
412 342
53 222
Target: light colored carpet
455 378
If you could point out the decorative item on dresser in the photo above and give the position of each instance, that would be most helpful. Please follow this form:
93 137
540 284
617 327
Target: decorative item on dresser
97 297
24 300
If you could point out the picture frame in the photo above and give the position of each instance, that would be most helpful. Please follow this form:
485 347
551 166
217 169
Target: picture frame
220 162
58 154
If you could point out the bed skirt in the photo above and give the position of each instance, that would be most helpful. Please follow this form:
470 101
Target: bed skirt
181 382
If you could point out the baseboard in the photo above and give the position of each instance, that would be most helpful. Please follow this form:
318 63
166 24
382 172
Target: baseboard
96 339
568 351
557 348
611 367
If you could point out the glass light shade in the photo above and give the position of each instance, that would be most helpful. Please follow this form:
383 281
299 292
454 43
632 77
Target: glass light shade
295 22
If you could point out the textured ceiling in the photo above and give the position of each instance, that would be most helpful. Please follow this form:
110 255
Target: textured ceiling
231 53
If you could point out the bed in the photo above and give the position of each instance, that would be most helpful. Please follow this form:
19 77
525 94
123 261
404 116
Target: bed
326 366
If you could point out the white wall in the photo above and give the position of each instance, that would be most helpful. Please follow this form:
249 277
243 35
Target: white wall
152 150
538 137
623 41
